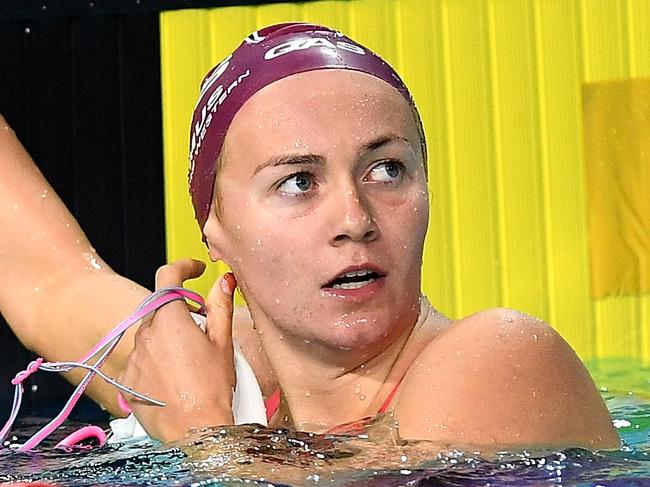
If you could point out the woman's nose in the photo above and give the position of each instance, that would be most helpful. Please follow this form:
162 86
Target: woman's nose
353 219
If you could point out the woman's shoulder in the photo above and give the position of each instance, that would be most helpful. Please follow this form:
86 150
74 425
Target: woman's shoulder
493 323
501 376
485 335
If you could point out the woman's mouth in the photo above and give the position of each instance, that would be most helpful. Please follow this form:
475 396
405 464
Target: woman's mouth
354 279
358 283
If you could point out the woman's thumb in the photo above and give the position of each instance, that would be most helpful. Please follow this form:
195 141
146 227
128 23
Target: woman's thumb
219 306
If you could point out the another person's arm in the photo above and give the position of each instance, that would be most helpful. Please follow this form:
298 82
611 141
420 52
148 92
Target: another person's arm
56 293
60 298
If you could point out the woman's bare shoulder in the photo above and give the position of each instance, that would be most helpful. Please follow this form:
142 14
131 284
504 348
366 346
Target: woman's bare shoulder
501 377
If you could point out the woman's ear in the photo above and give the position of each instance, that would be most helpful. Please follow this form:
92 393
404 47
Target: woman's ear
215 236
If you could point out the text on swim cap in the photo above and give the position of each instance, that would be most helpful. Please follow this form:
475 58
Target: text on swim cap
214 76
302 44
215 100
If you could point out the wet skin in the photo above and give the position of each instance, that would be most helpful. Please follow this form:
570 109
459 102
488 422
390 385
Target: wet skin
301 200
322 172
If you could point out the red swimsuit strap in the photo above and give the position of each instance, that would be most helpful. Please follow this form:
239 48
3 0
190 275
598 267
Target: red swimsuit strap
389 399
272 402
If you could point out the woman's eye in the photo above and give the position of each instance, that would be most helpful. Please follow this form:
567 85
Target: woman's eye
297 184
387 171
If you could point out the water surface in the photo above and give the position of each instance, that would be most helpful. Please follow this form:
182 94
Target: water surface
375 457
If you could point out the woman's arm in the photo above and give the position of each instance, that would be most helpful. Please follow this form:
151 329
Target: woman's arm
56 293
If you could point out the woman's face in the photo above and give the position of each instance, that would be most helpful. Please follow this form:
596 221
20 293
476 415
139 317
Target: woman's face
323 208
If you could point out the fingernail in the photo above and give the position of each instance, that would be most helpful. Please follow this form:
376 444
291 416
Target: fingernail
228 283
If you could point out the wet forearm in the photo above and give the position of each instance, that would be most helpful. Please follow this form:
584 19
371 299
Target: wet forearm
57 295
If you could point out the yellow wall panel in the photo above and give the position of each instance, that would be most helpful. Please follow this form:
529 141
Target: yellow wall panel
558 46
517 157
499 85
472 173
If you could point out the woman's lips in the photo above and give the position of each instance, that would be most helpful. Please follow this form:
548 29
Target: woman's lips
359 292
355 274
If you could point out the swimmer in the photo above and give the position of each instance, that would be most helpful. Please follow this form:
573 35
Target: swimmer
308 178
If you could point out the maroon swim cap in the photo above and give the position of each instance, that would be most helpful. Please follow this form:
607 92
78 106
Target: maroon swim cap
264 57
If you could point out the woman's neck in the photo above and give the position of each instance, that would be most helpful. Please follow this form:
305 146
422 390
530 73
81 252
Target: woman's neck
319 392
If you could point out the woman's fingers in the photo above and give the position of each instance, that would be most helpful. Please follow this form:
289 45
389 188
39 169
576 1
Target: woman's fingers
175 273
219 305
169 349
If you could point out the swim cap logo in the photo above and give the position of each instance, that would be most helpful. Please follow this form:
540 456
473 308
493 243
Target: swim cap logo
214 76
302 44
254 38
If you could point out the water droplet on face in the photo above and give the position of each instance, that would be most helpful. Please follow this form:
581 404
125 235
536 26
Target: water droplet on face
44 193
277 301
307 341
535 337
37 289
357 388
307 394
362 397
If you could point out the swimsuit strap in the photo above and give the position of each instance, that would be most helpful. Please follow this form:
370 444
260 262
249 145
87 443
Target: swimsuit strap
272 402
389 399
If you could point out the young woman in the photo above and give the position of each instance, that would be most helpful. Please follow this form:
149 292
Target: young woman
308 176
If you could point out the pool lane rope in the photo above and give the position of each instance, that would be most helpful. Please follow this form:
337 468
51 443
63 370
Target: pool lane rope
101 351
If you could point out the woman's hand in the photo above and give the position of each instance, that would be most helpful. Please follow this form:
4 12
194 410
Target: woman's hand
175 362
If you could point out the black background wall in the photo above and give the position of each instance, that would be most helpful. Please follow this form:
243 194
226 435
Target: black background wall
82 93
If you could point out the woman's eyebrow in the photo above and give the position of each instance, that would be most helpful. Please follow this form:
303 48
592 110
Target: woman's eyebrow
381 141
291 159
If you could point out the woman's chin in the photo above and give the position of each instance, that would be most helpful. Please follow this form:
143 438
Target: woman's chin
371 333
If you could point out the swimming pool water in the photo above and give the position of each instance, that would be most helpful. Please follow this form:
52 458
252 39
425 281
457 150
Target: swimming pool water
250 455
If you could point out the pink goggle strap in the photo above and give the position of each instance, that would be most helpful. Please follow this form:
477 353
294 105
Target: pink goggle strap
103 348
